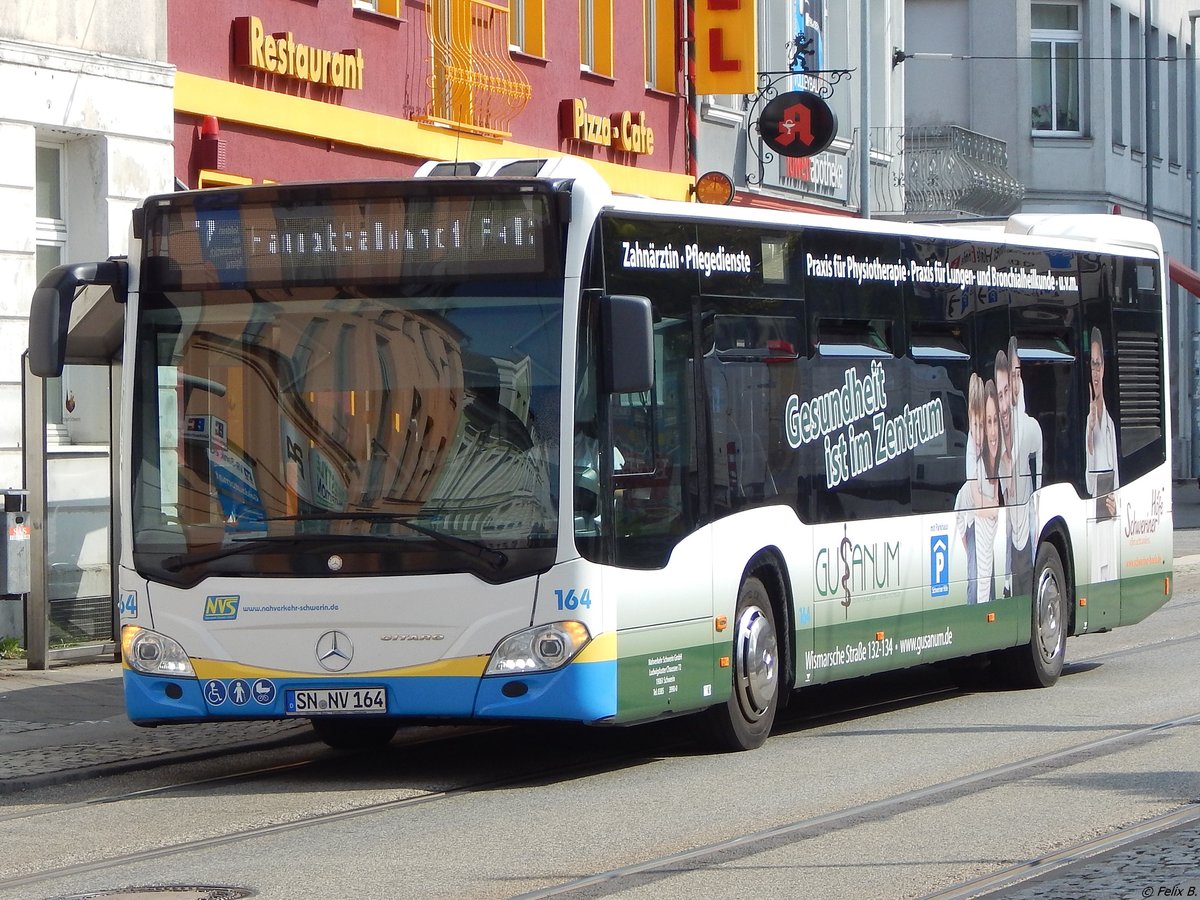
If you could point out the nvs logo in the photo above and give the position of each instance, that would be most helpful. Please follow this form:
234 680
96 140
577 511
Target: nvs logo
218 608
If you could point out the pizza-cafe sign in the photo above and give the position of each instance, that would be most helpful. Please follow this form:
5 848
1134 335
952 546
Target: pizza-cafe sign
625 130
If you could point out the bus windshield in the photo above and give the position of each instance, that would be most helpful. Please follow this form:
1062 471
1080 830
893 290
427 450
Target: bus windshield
347 430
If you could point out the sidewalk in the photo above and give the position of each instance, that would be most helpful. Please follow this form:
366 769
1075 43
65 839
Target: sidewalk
69 722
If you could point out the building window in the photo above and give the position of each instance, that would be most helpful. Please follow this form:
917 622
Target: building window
51 243
1057 37
1175 113
596 37
383 7
475 86
527 26
1153 135
1137 121
660 45
1117 88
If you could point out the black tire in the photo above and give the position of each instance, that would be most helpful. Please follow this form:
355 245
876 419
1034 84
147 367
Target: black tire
744 721
350 733
1039 663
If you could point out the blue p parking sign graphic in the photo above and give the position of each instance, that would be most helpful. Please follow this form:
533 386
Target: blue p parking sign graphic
939 565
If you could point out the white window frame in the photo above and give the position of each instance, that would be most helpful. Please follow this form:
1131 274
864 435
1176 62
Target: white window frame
587 35
1059 39
650 38
527 27
516 25
388 8
1116 37
1176 112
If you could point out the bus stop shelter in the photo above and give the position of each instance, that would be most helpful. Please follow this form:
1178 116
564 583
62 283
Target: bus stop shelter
93 340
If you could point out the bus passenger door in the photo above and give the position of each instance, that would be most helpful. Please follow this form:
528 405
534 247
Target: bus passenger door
663 559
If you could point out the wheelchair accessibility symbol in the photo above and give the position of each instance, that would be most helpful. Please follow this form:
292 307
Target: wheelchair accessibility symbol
215 692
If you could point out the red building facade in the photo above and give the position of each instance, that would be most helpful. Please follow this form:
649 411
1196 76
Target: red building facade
306 90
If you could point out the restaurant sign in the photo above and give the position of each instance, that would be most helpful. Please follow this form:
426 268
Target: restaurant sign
281 54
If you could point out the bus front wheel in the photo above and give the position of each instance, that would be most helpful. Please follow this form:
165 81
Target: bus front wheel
348 733
744 721
1040 662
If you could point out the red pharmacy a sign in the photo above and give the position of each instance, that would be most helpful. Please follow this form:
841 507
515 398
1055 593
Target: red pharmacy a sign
798 123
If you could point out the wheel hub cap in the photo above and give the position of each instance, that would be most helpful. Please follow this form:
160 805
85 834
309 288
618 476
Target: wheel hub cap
757 663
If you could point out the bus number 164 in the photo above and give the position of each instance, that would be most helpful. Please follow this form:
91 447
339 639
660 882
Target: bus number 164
568 599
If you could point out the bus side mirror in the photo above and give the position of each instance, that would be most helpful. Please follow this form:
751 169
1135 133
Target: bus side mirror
50 313
627 327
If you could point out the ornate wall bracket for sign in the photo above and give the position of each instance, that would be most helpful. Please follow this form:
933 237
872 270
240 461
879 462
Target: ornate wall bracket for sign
770 101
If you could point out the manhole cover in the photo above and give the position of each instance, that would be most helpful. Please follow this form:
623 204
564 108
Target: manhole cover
178 891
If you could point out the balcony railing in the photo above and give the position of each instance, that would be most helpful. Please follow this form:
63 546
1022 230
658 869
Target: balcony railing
940 171
474 84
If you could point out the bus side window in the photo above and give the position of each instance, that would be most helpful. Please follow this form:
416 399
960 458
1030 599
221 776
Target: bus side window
633 433
941 369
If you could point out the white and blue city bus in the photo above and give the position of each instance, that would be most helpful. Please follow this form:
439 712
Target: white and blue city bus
505 446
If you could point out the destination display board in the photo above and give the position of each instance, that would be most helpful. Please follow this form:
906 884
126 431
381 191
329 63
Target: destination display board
279 236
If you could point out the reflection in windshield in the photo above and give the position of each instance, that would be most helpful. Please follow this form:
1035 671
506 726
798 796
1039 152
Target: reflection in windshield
284 412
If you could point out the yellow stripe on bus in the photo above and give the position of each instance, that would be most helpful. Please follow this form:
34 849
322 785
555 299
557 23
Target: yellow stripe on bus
603 648
469 666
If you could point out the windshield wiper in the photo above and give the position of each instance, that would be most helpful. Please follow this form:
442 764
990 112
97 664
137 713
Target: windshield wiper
494 558
497 559
247 545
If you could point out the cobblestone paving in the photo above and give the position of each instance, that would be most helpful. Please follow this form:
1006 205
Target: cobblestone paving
37 761
19 765
1165 865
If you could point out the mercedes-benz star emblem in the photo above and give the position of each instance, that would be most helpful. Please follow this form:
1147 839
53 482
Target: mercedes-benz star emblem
334 651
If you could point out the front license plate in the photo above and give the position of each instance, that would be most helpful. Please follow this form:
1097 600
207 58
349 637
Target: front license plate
340 701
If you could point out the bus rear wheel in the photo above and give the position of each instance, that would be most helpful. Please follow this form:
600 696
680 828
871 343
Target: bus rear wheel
349 733
1040 662
744 721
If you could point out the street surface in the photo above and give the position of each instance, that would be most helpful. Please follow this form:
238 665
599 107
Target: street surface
900 787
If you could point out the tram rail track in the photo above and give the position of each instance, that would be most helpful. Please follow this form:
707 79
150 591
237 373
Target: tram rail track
336 761
835 707
1014 876
751 843
662 867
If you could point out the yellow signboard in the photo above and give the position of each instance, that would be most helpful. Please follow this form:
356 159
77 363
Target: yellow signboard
625 131
726 47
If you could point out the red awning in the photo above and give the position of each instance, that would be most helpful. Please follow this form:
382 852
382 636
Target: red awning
1188 279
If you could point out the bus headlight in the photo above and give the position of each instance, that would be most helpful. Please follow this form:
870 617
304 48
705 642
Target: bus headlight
152 653
539 649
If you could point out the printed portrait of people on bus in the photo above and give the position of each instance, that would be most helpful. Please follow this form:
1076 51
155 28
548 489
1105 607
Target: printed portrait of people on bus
969 495
1102 477
979 498
1003 469
1023 445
